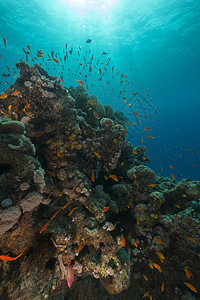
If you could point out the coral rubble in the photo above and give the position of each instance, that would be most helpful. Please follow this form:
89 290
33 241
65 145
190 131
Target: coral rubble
73 189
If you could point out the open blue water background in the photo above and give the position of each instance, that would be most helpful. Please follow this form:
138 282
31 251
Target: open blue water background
155 42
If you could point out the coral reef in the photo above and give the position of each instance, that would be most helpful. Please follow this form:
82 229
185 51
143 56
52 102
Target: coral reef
73 190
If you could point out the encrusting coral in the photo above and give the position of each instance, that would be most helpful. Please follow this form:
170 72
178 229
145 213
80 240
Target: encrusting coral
73 189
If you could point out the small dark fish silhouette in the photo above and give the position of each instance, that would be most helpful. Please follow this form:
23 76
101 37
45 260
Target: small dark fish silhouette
5 75
88 41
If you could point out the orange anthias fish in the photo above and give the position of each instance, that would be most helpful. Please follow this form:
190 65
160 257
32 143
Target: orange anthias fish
51 173
26 52
5 44
142 140
190 286
172 167
146 128
72 211
157 267
56 61
96 115
152 184
188 273
40 53
149 137
51 193
45 226
158 240
65 205
80 82
93 177
73 190
107 169
114 177
162 287
150 263
134 152
29 47
95 136
115 225
91 102
61 193
193 192
192 239
54 215
136 243
40 133
160 255
3 96
135 113
123 240
80 246
97 154
173 176
145 277
131 123
145 295
9 258
106 208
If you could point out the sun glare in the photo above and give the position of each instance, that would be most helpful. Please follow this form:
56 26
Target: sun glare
90 4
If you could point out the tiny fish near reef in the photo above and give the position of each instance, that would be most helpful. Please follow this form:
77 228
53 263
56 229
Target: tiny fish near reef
69 277
9 258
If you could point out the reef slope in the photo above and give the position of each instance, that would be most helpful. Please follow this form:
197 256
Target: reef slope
72 189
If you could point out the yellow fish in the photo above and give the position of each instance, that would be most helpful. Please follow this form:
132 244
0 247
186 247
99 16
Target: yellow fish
61 193
78 147
60 154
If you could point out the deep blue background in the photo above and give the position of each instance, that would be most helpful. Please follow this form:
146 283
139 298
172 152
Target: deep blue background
158 39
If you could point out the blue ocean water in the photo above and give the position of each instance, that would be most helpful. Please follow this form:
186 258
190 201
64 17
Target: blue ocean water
155 43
